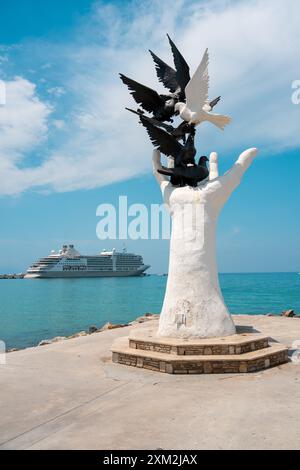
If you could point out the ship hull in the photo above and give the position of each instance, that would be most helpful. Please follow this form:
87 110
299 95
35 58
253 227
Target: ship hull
81 274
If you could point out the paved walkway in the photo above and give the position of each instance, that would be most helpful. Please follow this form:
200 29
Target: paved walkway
69 395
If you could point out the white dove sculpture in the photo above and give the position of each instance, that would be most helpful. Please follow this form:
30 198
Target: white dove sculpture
197 107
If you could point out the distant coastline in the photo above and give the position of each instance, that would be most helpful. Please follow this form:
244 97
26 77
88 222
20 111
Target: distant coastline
12 276
21 275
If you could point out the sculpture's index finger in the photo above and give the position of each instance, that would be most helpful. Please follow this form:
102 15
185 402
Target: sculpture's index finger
213 166
213 158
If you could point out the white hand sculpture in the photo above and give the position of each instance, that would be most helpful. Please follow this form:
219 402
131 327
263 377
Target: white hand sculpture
193 304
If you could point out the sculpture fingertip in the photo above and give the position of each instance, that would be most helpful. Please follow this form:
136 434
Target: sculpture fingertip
156 154
213 157
253 151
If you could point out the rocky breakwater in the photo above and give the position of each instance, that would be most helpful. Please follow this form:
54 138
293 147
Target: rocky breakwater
94 329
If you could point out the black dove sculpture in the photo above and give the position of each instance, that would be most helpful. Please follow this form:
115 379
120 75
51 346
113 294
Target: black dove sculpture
176 80
191 174
161 106
168 145
178 132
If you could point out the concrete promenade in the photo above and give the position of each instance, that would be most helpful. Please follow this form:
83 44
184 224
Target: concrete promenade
69 395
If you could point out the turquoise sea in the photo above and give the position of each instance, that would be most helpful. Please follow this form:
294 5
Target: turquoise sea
32 310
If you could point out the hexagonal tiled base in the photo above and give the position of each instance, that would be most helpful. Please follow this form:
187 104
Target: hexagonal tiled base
146 339
239 353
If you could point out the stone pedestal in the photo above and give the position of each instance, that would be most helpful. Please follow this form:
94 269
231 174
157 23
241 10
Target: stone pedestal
238 353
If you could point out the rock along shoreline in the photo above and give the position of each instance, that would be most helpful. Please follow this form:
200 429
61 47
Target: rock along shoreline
92 329
111 326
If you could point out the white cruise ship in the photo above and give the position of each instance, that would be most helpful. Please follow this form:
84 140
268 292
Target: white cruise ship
68 262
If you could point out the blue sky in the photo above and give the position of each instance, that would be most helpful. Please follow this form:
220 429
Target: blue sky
67 144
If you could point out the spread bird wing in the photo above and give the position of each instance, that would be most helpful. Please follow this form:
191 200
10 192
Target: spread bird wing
153 121
149 99
163 141
197 89
165 73
182 68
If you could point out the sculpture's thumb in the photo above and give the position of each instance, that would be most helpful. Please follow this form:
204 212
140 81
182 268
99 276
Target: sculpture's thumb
248 154
156 155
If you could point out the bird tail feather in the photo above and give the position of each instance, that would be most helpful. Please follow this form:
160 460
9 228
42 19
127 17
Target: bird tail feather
165 171
218 120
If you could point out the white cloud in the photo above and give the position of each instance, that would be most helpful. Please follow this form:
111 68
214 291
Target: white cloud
59 123
56 91
254 52
23 126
